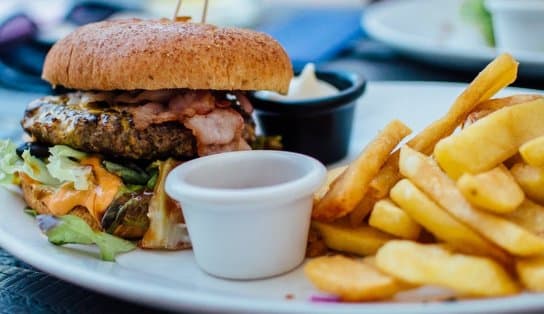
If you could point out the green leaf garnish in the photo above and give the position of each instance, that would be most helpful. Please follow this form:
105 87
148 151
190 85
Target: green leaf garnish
72 229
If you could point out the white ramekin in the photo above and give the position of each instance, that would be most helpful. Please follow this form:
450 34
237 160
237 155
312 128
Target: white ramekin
248 213
518 24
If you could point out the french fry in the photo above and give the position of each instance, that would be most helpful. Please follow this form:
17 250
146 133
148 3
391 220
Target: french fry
371 261
530 216
362 210
350 279
363 240
498 74
388 176
475 116
442 225
428 264
495 104
533 152
427 176
350 187
388 217
531 273
495 190
331 176
490 105
531 180
503 132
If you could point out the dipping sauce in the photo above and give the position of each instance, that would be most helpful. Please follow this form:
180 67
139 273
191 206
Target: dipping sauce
319 126
304 86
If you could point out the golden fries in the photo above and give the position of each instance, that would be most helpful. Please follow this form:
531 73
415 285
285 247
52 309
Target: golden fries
499 103
388 175
388 217
331 176
533 152
351 280
500 73
426 175
530 216
363 240
502 134
491 105
349 188
495 190
442 225
437 265
476 216
531 273
362 210
531 180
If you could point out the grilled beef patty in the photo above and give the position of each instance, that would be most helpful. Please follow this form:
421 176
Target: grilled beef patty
98 128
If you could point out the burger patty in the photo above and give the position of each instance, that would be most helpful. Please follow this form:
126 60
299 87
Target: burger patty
99 129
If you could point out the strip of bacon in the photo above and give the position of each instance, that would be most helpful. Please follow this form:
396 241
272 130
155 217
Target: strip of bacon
179 108
235 145
150 113
190 103
218 131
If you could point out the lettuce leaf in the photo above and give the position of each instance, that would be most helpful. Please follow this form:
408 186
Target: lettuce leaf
9 162
72 229
37 170
64 166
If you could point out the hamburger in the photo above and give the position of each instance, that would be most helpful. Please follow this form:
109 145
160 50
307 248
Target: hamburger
144 95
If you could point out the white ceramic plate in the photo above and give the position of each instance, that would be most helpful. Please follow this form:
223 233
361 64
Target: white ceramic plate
171 280
434 32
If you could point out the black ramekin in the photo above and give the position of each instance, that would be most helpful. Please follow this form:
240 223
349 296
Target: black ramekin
319 127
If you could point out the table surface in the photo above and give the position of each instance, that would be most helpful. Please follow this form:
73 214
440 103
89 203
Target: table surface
23 289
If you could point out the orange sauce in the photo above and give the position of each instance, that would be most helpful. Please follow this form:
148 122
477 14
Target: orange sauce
96 199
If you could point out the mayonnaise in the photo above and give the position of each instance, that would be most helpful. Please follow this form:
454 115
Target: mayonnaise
304 86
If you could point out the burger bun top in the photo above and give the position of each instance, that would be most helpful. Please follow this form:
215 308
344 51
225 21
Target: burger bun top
162 54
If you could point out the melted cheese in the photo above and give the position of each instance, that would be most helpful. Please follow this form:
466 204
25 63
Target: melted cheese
96 199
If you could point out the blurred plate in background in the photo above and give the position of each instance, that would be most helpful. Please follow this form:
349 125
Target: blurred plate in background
435 32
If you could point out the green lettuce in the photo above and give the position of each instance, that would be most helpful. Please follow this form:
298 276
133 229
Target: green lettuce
63 165
72 229
10 163
37 170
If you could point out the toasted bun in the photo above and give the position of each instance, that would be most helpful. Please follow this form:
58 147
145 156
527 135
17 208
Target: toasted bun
157 54
34 193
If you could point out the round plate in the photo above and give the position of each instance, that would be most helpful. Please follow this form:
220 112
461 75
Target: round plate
172 280
434 32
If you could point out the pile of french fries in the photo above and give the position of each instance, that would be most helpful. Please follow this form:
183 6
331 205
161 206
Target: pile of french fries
460 210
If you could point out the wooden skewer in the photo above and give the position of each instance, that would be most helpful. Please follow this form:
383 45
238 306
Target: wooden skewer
178 6
204 12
